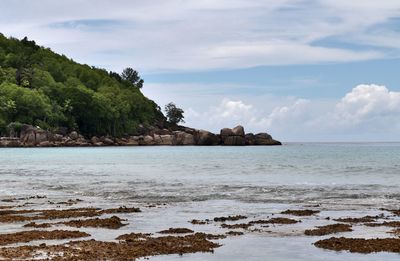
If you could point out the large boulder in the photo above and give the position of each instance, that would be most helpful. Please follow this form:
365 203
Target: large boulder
74 135
163 132
226 132
32 136
26 129
42 135
265 139
207 138
94 140
133 141
29 138
56 137
238 131
233 137
250 139
183 138
107 141
164 139
234 141
121 141
147 140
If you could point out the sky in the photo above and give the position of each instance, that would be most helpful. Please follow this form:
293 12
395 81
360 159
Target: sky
301 70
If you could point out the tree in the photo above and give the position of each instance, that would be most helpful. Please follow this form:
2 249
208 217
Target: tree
132 77
174 114
40 87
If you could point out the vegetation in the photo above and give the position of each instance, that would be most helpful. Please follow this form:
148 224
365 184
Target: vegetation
42 88
174 114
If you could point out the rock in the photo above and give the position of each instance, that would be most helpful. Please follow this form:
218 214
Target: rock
226 132
9 142
167 140
82 143
108 141
45 144
233 137
153 135
183 138
32 136
65 140
207 138
132 141
164 132
70 143
56 137
157 139
94 140
42 135
250 139
74 135
26 129
265 139
235 141
188 139
148 140
238 131
121 142
29 138
135 138
164 139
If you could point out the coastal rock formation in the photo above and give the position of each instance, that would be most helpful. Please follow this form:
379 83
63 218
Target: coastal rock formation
183 138
206 138
233 137
31 136
260 139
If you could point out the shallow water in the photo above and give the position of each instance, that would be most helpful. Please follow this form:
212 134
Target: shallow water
204 182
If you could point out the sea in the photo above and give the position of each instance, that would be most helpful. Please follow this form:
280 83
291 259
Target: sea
174 185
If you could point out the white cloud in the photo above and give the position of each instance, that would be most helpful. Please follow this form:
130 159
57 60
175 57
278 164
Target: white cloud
368 104
233 109
202 34
367 112
279 117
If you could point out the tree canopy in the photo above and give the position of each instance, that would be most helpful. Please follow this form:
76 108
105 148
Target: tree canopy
173 113
42 88
132 77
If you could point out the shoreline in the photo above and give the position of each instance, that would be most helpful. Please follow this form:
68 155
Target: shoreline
30 136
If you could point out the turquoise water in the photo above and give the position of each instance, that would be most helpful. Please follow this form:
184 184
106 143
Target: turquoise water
298 173
204 182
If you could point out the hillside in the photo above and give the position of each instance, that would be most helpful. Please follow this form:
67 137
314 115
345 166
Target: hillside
41 88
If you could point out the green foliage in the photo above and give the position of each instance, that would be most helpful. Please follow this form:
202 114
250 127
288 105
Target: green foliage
40 87
174 114
132 77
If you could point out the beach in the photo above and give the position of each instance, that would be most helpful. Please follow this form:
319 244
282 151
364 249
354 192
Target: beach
225 203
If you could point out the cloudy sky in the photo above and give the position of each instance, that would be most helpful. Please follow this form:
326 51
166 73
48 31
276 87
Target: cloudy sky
302 70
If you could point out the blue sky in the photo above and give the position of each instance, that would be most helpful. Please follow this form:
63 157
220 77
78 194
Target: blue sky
302 70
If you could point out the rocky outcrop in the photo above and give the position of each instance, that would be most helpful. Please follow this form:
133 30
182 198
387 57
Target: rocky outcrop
183 138
9 142
233 137
206 138
35 137
261 139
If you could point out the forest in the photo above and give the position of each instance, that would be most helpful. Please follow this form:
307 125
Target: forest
42 88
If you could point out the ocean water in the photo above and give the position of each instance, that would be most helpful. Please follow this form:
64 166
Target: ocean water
203 182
